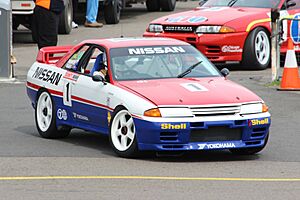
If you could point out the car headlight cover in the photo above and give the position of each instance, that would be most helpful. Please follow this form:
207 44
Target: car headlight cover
155 28
214 29
176 112
253 108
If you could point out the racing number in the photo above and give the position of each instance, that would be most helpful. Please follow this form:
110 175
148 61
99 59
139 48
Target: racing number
67 94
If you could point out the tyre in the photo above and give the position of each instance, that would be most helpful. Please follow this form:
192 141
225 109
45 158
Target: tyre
153 5
167 5
122 134
65 19
45 118
250 151
112 12
257 50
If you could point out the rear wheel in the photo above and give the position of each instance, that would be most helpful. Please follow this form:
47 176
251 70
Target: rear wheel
153 5
257 50
123 134
167 5
65 19
112 12
250 151
45 118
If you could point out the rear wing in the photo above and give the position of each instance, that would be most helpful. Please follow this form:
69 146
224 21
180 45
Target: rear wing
50 55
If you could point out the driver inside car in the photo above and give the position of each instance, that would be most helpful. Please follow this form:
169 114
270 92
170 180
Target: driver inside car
100 66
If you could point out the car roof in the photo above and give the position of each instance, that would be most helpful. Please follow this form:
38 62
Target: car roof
134 41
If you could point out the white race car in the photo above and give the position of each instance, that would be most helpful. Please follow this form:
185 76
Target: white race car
155 94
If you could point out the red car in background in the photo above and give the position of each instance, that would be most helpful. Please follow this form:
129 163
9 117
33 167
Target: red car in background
229 31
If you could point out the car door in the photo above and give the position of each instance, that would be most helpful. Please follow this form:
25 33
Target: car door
89 97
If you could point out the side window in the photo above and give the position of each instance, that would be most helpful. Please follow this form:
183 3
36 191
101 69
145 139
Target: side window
73 62
92 60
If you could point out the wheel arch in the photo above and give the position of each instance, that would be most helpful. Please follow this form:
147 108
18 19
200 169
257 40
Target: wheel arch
42 89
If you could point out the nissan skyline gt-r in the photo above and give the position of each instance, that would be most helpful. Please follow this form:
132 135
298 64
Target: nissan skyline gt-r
159 94
229 31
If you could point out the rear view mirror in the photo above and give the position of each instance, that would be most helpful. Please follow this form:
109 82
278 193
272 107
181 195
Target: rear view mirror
98 78
290 3
225 72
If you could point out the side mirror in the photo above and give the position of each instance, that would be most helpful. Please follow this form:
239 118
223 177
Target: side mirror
225 72
201 2
98 78
290 3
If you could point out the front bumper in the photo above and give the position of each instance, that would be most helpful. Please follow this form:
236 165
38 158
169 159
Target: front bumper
216 47
202 135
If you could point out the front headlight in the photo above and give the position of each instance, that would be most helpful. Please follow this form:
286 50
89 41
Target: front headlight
155 28
214 29
253 108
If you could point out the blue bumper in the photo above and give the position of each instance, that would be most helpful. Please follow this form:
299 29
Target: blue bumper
159 136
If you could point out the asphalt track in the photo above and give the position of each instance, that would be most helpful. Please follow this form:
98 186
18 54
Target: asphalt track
83 165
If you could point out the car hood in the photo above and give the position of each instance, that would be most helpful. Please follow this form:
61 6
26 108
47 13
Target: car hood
212 15
190 91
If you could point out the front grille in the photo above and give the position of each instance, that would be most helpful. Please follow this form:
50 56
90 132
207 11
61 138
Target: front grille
179 29
222 133
215 110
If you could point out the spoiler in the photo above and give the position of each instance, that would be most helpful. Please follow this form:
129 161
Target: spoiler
50 55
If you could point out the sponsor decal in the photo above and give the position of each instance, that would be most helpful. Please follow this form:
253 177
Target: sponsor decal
47 75
155 50
214 9
108 117
173 126
216 145
179 28
295 29
256 122
71 76
231 49
193 19
62 114
194 87
80 117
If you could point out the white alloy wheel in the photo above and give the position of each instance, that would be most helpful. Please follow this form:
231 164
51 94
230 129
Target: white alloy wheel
44 111
122 131
262 47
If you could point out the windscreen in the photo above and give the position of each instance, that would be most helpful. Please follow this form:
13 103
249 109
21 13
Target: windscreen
159 62
244 3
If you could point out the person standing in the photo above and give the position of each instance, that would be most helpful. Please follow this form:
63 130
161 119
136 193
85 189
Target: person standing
91 14
45 22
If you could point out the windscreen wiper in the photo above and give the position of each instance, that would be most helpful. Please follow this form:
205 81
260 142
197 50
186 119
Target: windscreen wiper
188 70
231 3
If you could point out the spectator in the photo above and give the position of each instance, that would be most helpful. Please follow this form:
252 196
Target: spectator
75 7
91 14
45 22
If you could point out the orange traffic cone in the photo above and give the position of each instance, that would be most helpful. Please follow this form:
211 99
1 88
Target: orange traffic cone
290 78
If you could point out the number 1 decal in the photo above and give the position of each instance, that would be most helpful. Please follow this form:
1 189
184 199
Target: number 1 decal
67 94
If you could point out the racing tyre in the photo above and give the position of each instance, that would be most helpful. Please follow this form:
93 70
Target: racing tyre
250 151
122 134
257 50
65 19
112 12
153 5
45 118
167 5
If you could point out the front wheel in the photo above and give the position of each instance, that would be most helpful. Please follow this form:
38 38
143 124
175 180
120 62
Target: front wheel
45 118
122 135
257 49
250 151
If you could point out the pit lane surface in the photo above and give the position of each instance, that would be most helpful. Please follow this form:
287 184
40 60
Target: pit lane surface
83 165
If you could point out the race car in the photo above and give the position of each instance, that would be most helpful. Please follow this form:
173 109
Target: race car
158 94
231 31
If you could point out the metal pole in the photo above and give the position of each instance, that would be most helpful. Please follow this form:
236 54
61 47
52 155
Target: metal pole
274 52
